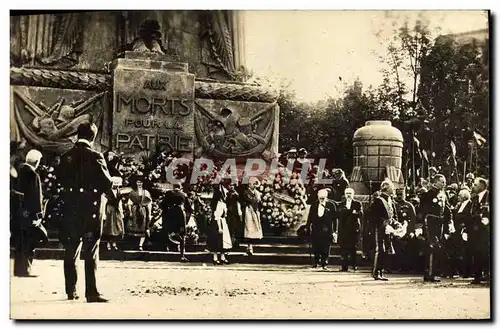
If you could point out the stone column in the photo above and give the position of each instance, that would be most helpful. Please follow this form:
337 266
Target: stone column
238 33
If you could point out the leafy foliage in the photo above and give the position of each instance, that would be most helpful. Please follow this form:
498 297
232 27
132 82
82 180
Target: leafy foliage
445 81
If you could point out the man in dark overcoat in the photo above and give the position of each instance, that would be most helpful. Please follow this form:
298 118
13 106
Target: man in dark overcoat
29 215
322 223
478 230
84 177
350 217
459 257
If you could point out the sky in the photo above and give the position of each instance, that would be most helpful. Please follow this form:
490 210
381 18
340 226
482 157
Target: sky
312 49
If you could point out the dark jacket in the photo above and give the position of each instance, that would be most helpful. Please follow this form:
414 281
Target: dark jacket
433 217
30 189
479 233
380 213
321 228
175 209
350 221
84 177
406 212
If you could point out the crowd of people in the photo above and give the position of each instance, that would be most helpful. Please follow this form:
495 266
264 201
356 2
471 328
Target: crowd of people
442 230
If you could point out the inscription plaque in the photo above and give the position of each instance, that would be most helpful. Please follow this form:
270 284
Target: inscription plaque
152 107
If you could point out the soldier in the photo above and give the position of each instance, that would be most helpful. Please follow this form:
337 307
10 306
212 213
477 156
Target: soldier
30 214
434 219
403 244
349 225
84 177
382 217
479 230
321 223
175 207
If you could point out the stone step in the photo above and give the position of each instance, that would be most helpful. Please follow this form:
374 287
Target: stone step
292 240
198 257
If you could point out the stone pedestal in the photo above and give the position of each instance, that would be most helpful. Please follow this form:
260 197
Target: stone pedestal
153 102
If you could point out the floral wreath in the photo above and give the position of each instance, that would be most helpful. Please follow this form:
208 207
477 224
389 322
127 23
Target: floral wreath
283 200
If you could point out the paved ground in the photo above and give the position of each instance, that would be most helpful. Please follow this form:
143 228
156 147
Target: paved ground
140 290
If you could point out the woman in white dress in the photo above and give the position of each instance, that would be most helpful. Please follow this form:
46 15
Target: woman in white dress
219 238
251 215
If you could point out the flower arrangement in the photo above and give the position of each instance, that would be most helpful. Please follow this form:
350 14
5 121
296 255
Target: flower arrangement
51 190
283 200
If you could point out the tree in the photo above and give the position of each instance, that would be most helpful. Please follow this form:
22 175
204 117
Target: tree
454 88
405 51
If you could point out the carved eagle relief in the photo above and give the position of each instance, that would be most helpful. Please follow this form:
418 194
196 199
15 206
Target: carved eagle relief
224 132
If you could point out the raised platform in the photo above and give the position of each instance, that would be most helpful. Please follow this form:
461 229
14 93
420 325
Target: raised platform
270 250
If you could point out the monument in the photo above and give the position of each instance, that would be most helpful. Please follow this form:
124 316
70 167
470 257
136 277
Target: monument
168 80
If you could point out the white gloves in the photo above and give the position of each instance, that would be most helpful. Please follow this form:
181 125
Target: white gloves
418 231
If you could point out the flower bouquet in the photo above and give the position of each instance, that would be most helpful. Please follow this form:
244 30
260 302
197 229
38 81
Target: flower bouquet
283 201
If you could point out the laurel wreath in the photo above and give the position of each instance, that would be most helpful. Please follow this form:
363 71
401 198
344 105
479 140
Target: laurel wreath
283 200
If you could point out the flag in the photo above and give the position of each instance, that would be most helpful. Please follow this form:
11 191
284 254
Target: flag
416 141
453 149
480 140
424 153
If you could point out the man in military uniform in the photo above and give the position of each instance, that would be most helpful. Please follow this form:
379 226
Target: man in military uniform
403 244
478 230
434 220
383 217
321 222
84 177
349 219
